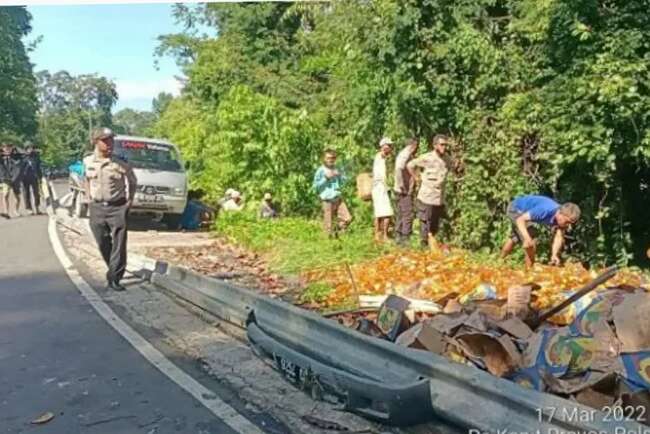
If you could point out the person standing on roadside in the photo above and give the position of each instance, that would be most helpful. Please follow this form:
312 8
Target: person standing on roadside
382 207
328 181
111 186
31 178
10 174
430 205
404 192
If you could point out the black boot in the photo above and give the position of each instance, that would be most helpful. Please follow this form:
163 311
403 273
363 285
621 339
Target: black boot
115 286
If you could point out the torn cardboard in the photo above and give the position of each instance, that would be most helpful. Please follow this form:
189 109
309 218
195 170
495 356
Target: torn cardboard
499 355
515 327
475 321
632 321
447 324
453 306
424 337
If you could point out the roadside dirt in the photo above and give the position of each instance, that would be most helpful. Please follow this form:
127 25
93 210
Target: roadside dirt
217 258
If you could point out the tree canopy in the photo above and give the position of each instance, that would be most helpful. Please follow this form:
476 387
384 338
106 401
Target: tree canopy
71 106
540 96
18 104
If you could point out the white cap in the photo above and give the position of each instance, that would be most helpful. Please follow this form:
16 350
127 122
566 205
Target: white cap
267 196
229 192
385 141
235 194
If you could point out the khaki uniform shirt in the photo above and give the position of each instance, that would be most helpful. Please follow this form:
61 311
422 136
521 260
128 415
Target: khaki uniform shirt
402 175
110 179
434 173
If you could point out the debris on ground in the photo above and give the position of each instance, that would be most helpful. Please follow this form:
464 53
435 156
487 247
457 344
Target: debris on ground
601 355
439 275
43 419
225 261
594 350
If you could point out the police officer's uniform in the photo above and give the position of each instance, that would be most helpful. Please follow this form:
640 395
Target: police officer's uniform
112 185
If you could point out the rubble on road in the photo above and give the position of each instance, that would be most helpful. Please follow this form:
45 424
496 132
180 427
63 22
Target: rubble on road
600 358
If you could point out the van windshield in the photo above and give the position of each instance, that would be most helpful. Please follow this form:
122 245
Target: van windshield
147 155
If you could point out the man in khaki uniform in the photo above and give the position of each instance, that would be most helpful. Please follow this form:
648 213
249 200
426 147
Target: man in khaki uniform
429 204
404 192
111 186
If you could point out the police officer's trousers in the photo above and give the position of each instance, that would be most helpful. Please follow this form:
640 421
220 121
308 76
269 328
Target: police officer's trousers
31 187
108 225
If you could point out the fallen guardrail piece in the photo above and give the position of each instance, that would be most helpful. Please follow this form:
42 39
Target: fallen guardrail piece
384 381
389 403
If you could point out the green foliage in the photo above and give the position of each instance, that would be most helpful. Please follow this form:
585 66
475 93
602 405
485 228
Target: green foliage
71 106
295 244
541 96
18 103
316 292
134 122
160 103
249 142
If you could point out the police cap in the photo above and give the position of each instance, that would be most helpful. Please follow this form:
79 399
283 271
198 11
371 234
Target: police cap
102 133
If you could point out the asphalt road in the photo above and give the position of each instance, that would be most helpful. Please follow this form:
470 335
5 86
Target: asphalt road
57 355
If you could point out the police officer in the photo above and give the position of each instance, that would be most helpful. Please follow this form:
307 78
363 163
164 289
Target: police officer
111 186
430 202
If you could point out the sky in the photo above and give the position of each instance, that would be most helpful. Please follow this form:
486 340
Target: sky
115 41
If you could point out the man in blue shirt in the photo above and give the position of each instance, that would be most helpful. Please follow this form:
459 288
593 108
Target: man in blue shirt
526 211
328 181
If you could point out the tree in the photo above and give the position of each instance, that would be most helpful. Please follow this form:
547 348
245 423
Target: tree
550 97
71 106
18 102
160 103
134 122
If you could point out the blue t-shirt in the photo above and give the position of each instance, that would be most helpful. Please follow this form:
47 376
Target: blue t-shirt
542 209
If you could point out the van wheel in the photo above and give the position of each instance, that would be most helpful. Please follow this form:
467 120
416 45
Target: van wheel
172 221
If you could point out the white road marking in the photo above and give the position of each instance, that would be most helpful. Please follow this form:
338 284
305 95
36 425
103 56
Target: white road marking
202 394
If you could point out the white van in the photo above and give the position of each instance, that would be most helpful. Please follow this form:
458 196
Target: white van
162 181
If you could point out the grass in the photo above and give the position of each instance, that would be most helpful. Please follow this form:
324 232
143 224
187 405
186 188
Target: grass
295 244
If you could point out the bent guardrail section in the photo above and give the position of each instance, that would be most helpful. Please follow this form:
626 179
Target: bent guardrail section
381 380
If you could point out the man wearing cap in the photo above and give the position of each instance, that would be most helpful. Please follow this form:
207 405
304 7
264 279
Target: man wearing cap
111 186
234 201
430 205
381 205
267 208
32 175
527 211
404 192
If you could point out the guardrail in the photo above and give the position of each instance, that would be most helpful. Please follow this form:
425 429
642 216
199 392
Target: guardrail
380 380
